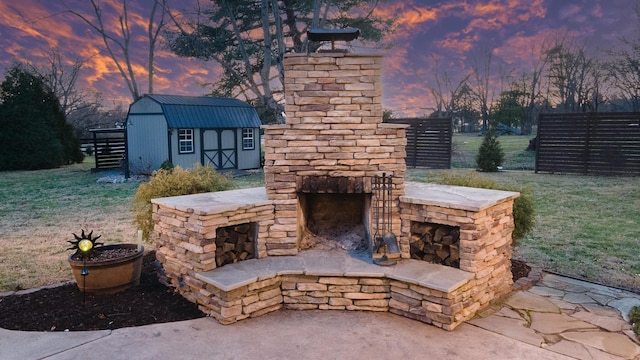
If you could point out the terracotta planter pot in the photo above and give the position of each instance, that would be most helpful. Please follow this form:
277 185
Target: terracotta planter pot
109 276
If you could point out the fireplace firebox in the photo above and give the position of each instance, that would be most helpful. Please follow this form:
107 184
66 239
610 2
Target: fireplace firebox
334 221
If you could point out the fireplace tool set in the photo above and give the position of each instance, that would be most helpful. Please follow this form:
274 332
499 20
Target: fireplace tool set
383 238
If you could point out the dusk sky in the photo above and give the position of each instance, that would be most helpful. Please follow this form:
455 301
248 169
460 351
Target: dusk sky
457 32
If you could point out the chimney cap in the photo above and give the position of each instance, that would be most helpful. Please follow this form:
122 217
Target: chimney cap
347 34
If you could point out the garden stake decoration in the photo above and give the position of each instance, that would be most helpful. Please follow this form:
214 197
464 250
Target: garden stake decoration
84 245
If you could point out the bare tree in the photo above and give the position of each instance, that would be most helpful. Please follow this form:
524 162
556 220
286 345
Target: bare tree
61 76
568 72
446 91
597 92
624 69
248 39
530 84
482 88
118 43
81 108
155 25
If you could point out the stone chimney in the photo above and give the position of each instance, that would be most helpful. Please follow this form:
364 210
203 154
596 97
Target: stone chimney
333 141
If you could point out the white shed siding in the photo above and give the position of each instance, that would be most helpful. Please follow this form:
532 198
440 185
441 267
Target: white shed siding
147 139
145 106
185 161
249 159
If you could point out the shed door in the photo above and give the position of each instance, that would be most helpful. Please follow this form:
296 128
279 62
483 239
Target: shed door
219 148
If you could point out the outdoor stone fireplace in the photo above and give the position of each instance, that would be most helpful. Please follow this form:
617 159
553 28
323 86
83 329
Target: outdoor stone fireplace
312 224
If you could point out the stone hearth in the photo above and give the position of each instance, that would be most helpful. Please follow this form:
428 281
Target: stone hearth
313 221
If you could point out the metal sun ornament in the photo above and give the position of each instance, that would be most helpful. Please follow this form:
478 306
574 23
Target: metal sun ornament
84 244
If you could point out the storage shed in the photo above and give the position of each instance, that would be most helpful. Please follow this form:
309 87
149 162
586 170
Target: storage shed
186 130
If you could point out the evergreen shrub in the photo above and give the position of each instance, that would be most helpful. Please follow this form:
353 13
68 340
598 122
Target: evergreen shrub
34 132
167 165
490 155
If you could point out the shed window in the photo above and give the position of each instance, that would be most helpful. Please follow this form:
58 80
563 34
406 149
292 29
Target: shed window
247 139
185 141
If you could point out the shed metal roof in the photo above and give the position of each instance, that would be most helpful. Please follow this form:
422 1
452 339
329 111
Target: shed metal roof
206 112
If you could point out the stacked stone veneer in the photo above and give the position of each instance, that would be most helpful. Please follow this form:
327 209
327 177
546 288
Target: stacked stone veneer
485 245
333 135
185 239
305 292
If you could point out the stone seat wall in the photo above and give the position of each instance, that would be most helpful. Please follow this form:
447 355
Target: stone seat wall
185 234
186 227
317 280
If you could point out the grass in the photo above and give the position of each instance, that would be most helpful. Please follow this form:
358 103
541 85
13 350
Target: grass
588 227
39 211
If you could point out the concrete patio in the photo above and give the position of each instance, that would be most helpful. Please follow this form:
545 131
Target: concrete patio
557 318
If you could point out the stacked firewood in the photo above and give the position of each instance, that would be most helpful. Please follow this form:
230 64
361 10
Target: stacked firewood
435 243
235 243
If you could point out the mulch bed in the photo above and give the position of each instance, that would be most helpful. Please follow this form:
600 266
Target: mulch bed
519 269
62 308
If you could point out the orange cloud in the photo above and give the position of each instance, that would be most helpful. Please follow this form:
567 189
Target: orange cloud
523 51
407 15
482 9
458 43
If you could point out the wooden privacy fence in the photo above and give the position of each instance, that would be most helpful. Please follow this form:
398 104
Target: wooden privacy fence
110 148
428 142
589 143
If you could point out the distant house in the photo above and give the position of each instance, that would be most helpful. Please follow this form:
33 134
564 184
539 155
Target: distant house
186 130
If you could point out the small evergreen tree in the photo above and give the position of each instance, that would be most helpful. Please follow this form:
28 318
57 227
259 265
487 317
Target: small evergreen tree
490 155
34 133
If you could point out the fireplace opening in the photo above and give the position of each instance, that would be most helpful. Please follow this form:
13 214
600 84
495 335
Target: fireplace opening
435 243
334 221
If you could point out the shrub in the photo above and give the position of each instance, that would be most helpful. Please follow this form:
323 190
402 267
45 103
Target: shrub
490 154
167 165
178 181
523 206
634 319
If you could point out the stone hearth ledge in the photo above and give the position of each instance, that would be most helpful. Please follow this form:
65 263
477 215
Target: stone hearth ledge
454 197
335 264
446 196
216 202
